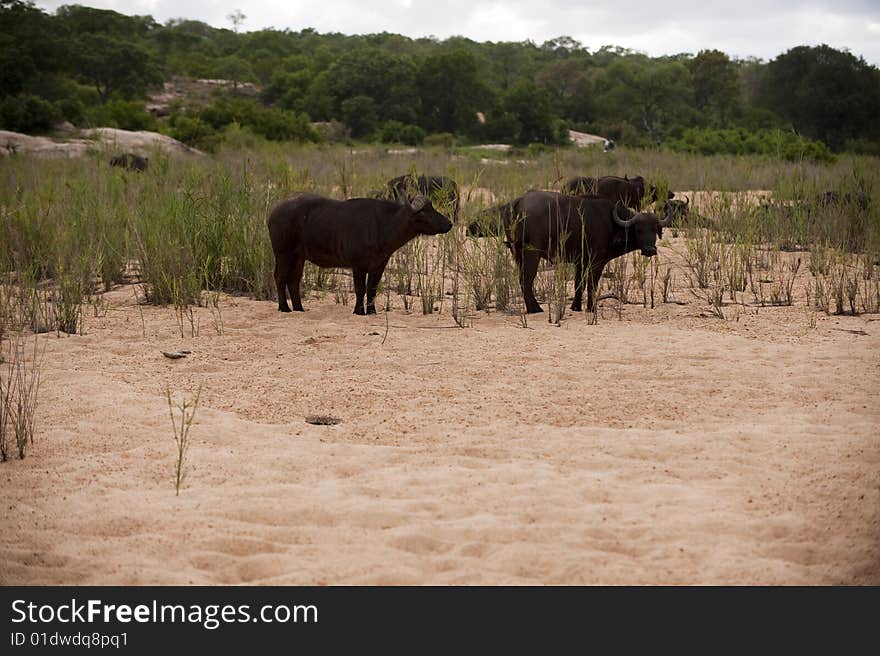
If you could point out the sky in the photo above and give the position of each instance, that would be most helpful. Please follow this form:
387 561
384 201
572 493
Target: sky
740 28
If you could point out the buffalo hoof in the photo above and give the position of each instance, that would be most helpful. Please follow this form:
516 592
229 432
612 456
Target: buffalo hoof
371 309
534 310
284 309
575 307
360 311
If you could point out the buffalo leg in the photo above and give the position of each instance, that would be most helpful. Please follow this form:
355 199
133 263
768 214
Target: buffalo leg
372 285
294 278
360 288
594 275
578 285
528 269
282 269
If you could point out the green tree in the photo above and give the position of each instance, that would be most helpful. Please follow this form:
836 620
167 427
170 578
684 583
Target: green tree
317 101
389 80
29 45
112 65
653 95
512 62
452 92
570 88
235 69
716 84
533 112
361 115
78 20
827 94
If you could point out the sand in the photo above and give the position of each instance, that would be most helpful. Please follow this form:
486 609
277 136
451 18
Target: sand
665 446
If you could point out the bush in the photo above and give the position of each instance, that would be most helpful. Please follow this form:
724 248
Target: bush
332 131
535 149
272 123
72 110
28 114
441 139
397 132
236 137
122 114
737 141
360 114
194 132
280 125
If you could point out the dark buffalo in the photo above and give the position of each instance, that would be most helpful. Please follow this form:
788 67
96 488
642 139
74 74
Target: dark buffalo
586 230
491 221
130 161
678 208
439 188
360 234
629 191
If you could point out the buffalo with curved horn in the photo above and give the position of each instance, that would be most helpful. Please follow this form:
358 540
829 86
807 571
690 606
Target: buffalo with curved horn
586 230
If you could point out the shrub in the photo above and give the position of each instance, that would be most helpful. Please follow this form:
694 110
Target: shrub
360 114
122 114
28 114
194 132
397 132
441 139
737 141
236 137
72 110
272 123
280 125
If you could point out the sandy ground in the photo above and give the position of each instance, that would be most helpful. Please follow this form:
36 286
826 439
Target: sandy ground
666 446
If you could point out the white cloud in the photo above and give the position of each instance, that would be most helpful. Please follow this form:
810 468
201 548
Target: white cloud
502 20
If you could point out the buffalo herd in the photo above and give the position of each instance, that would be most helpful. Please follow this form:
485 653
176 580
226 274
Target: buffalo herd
592 221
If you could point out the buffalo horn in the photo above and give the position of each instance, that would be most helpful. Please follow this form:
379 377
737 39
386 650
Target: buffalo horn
623 223
666 220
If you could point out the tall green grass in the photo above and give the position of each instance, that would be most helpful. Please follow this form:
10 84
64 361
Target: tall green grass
72 228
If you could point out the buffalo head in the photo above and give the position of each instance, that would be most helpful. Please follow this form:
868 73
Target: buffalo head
643 228
679 208
425 219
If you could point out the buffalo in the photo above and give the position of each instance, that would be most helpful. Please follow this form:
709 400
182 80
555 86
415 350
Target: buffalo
629 191
439 188
490 221
587 230
678 208
360 234
130 161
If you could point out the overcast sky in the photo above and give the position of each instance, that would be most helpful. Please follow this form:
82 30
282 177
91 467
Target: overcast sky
741 28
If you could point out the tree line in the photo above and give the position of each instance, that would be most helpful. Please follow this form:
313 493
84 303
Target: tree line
96 67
